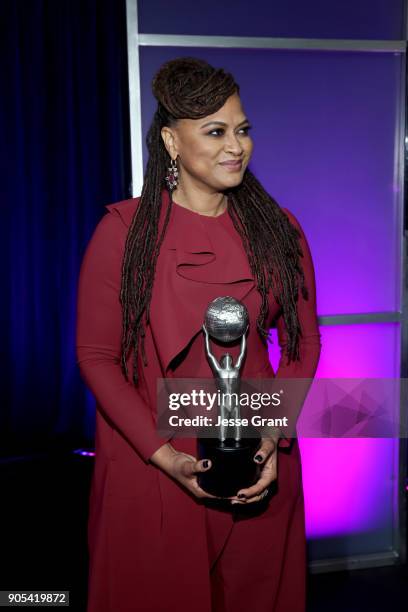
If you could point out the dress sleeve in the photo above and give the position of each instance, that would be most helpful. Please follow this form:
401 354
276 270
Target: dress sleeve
310 340
98 338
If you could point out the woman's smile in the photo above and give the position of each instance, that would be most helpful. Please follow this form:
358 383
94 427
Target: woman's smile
233 165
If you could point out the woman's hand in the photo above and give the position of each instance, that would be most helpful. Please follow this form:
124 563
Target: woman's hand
183 468
267 455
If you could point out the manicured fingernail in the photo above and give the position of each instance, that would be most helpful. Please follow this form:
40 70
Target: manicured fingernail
205 463
241 495
258 458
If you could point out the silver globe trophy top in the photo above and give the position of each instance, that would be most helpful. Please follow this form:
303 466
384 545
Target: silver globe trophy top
226 319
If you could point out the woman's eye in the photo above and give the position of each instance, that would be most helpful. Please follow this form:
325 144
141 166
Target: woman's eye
217 132
220 131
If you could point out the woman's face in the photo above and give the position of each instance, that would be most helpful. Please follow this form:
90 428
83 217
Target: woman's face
212 152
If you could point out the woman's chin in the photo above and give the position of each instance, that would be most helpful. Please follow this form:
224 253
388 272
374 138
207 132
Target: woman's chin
233 181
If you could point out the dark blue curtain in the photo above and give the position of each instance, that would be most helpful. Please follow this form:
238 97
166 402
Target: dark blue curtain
64 155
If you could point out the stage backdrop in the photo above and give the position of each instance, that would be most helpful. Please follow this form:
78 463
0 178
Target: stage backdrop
323 87
64 154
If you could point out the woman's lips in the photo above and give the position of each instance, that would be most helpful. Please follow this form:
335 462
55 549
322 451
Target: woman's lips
233 166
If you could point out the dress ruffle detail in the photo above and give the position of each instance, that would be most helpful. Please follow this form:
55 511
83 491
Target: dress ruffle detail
196 274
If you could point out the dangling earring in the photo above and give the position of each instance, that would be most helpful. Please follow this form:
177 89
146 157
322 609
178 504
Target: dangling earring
171 178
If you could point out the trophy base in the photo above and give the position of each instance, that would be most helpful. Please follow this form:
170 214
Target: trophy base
232 465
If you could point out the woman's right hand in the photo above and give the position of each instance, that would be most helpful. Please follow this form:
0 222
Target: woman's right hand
183 468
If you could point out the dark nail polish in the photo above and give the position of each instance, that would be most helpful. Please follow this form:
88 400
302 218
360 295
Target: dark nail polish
258 458
205 463
241 495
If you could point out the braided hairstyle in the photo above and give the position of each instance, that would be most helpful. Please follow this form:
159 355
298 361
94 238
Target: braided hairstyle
191 88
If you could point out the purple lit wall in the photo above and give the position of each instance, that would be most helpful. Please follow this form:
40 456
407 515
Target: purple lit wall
324 127
358 506
363 19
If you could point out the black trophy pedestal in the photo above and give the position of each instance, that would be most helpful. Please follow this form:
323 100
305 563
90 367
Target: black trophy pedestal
232 465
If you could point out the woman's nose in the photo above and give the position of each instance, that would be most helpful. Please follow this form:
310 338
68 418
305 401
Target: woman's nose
233 145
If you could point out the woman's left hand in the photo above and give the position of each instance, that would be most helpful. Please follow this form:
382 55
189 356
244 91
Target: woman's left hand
267 456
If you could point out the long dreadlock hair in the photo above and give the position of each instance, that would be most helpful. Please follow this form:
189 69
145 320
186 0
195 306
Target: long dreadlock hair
191 88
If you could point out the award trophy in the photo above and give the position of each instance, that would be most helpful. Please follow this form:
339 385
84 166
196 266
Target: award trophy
231 455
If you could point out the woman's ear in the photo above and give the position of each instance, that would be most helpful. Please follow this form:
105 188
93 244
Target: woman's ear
169 141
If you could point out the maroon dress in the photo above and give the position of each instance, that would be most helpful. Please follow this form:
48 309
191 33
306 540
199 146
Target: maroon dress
153 547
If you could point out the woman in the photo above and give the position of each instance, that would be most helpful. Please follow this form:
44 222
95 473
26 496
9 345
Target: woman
203 227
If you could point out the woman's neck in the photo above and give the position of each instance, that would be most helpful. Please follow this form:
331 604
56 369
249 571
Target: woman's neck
212 205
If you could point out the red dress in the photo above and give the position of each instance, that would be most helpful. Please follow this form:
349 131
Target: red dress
152 546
